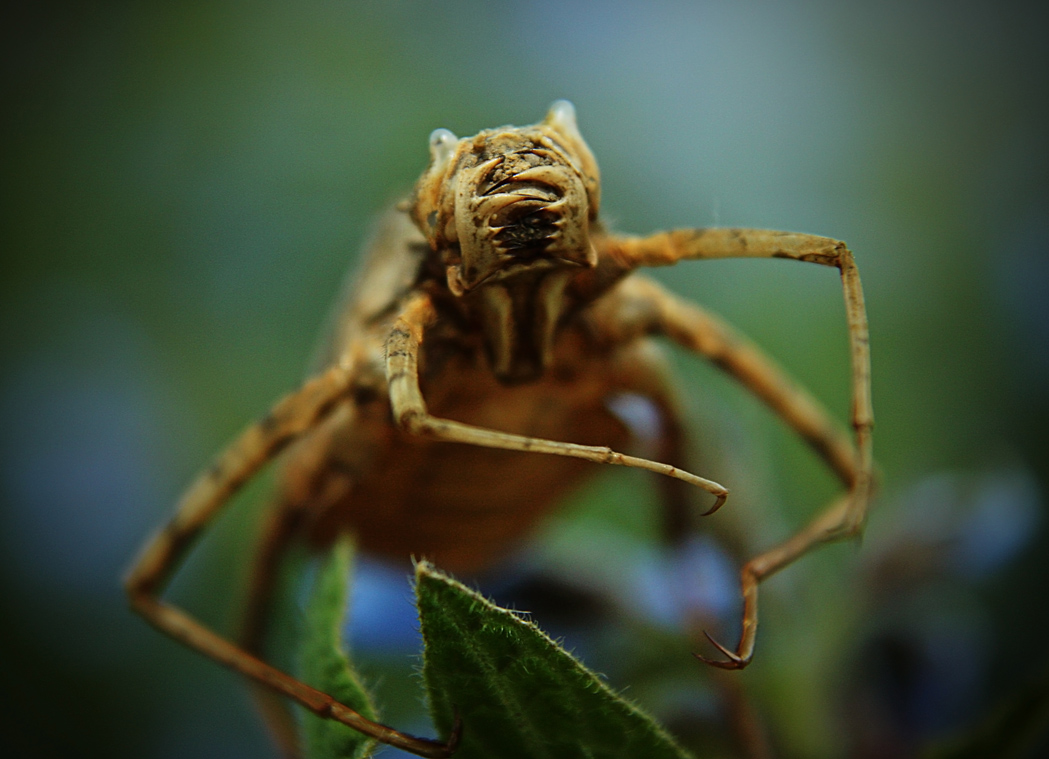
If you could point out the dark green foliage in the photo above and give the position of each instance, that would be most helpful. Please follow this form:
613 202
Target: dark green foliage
325 665
518 693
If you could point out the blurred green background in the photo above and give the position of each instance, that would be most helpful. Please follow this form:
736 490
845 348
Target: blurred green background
184 185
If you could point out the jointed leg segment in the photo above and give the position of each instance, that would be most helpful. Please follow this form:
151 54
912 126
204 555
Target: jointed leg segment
703 333
290 418
409 411
276 538
688 325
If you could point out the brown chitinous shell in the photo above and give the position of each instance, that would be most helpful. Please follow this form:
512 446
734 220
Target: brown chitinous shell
509 198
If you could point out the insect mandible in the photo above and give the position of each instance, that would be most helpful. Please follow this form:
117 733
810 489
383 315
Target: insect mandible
466 386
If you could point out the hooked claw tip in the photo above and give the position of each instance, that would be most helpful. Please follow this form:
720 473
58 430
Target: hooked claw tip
719 663
717 504
734 660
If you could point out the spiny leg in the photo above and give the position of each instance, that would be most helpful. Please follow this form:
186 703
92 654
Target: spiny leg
698 331
410 412
291 417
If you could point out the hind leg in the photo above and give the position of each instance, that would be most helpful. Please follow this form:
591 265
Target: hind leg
317 477
289 419
643 370
278 533
641 307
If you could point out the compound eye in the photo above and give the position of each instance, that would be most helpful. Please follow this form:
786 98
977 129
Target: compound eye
442 146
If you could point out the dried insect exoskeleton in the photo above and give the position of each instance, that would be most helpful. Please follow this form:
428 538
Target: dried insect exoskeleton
493 320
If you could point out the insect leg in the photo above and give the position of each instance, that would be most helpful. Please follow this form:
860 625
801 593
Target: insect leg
699 331
280 528
292 416
410 413
640 369
665 248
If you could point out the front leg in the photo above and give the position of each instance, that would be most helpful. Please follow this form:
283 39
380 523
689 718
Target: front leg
696 330
410 412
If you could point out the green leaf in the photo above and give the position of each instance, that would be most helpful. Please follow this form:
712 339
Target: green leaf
518 693
325 665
